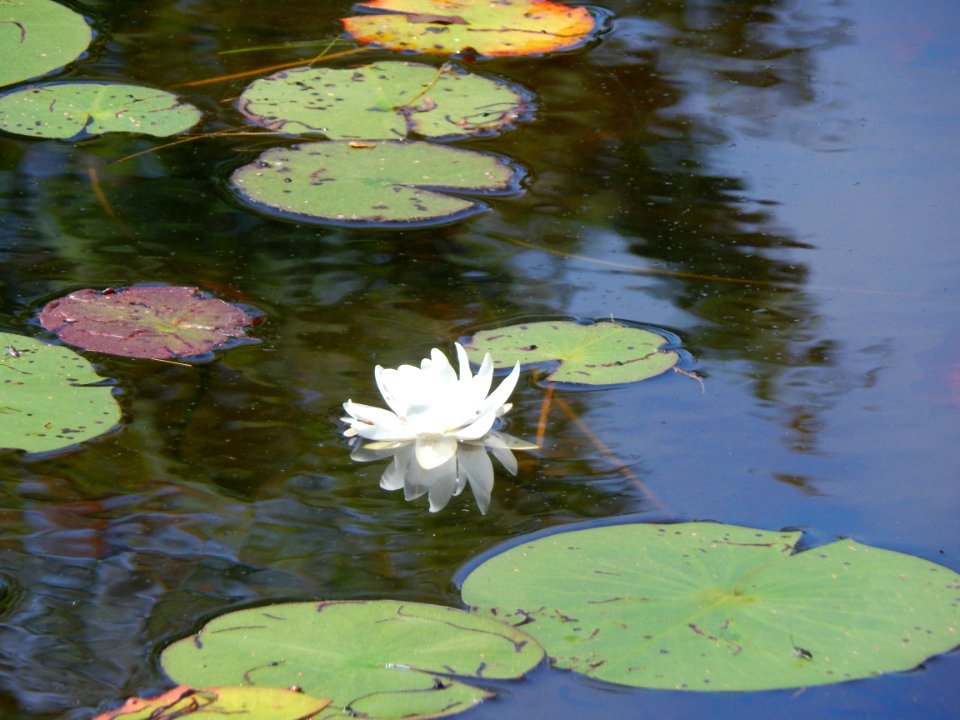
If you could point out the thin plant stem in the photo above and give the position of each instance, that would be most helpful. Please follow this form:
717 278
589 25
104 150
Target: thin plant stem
104 201
608 454
544 411
426 88
101 196
192 138
269 68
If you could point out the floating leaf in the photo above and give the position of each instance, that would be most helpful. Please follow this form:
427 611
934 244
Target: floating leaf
37 36
145 322
376 659
703 606
72 110
386 183
216 703
604 353
481 27
385 100
46 402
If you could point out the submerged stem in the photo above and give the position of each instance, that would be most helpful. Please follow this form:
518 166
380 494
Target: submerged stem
608 454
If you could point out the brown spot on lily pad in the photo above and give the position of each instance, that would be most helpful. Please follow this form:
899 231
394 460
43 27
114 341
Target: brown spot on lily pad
155 322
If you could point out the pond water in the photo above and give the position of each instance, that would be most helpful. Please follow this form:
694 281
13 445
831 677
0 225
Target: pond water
774 182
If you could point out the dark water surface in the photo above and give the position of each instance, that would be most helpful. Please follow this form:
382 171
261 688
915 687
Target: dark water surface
774 181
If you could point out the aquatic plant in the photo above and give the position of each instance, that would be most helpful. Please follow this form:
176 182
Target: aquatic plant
438 428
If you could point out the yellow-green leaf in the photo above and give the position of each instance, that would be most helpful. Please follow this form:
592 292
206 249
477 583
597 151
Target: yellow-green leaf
479 27
239 703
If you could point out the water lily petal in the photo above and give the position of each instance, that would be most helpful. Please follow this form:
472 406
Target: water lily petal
428 417
478 428
444 487
506 459
499 397
473 463
501 444
465 374
473 389
492 408
388 445
438 428
375 423
439 481
435 450
372 451
390 382
480 385
439 368
502 439
416 481
394 477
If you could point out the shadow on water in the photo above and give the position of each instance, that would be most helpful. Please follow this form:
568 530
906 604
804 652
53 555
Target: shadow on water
229 483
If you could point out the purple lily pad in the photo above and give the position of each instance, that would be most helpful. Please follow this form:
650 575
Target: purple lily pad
155 322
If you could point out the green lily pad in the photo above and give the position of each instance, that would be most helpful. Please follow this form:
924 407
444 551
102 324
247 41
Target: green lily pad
703 606
375 659
383 101
38 36
604 353
48 397
478 27
156 322
387 183
72 110
246 703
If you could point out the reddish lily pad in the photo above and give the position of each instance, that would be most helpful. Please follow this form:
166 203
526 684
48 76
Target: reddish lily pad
476 27
157 322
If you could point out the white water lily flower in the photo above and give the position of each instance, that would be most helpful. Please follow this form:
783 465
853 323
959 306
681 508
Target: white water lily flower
433 406
438 428
469 464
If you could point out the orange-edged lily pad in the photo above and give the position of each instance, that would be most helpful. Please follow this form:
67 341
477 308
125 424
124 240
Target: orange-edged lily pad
250 703
472 27
158 322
